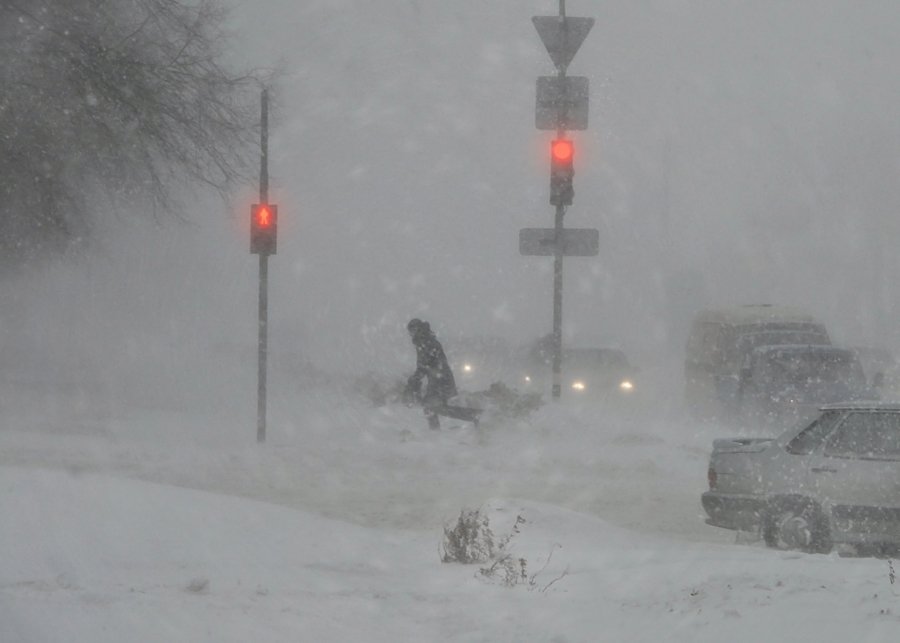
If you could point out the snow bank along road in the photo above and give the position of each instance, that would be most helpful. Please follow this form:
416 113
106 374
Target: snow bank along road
341 457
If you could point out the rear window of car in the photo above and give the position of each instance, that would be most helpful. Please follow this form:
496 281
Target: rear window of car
810 438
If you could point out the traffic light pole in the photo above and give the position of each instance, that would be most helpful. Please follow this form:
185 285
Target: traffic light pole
561 105
263 276
263 347
556 390
557 302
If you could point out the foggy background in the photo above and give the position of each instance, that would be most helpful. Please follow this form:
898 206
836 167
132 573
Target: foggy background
738 153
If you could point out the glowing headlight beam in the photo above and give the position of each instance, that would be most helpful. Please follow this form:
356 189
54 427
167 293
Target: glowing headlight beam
578 385
626 385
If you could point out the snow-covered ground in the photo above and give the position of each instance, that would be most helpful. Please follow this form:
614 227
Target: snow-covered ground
145 526
729 142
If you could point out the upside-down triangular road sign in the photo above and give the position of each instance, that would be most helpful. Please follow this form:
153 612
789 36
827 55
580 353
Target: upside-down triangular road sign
562 36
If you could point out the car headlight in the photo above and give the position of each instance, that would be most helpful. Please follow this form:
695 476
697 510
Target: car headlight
467 367
626 386
527 379
578 385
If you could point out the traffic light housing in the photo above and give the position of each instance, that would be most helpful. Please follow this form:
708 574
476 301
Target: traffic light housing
562 169
263 228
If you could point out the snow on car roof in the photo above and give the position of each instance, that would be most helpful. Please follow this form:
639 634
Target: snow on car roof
803 348
756 314
872 405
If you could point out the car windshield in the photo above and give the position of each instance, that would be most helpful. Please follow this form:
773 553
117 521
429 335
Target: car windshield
595 358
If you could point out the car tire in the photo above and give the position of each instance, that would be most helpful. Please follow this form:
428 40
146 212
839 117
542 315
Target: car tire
796 524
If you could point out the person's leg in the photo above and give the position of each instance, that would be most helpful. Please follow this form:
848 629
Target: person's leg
430 406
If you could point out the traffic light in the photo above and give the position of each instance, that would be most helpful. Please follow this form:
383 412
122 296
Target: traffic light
562 153
263 228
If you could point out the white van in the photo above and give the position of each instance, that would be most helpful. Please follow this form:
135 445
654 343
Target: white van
721 339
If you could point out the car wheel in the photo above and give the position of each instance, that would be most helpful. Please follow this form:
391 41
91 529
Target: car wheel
796 524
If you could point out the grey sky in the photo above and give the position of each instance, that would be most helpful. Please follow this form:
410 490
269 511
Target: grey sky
738 152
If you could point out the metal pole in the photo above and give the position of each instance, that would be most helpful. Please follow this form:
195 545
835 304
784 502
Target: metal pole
263 276
263 346
556 390
557 303
264 148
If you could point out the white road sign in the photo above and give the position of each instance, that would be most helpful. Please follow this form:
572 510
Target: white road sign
562 103
562 36
576 242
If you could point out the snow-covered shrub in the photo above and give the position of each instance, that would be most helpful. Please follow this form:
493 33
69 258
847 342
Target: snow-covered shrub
470 540
507 570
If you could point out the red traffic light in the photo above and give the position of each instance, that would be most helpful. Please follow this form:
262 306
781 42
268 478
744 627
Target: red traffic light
562 150
263 228
263 216
562 169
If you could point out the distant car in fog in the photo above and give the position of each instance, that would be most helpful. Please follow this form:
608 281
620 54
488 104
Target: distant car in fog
478 362
585 372
833 480
720 341
783 384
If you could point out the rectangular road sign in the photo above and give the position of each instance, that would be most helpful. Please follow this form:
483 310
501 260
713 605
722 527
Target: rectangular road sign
562 103
576 242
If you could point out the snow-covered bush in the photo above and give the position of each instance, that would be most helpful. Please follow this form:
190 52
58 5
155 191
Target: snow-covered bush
470 540
507 570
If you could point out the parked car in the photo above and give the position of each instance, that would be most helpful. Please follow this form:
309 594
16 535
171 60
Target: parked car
719 342
833 480
585 372
784 384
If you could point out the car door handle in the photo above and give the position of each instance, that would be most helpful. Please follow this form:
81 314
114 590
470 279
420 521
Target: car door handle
823 470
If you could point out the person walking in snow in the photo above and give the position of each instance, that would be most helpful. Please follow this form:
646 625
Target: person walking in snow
433 368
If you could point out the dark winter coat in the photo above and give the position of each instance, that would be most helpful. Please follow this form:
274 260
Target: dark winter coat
431 364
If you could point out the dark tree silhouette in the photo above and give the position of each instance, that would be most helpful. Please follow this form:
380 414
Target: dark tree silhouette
113 100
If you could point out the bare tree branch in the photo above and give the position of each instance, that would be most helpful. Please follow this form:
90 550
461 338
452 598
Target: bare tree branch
124 98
